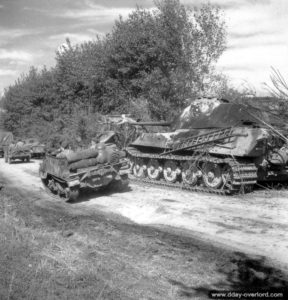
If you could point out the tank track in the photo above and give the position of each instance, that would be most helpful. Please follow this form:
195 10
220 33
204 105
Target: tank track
244 172
57 196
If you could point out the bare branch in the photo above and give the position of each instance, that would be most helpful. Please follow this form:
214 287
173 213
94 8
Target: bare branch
279 88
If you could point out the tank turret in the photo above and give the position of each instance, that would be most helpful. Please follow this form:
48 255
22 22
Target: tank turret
212 145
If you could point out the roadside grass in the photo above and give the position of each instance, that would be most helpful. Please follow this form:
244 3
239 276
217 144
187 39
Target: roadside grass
49 252
37 264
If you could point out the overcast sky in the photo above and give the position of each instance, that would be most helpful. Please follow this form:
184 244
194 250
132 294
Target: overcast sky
32 30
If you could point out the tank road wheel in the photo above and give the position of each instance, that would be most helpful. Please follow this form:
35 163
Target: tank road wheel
171 171
212 175
153 169
139 168
190 173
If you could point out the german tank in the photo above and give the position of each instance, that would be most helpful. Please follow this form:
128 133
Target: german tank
214 146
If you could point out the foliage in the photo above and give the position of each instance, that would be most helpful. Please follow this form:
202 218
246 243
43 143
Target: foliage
148 65
278 89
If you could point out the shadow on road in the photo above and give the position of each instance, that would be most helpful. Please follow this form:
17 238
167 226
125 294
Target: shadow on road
243 274
16 162
88 194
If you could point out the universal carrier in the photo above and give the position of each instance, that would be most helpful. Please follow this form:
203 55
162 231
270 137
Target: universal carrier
66 174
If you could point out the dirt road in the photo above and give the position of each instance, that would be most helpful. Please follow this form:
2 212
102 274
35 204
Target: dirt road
255 223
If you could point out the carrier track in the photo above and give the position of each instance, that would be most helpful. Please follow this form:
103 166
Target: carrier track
66 192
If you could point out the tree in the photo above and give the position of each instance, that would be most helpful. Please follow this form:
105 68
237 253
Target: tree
278 88
163 56
148 65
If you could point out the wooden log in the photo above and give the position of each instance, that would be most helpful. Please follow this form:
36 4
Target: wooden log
81 155
84 163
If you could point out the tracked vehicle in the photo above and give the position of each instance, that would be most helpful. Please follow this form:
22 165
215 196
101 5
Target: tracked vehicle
36 148
65 174
14 152
213 146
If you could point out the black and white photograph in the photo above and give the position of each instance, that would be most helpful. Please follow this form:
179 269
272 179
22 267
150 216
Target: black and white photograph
143 149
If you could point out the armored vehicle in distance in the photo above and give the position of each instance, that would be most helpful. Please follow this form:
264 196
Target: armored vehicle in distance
37 149
214 146
15 151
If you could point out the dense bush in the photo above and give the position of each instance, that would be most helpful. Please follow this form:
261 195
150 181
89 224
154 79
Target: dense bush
148 65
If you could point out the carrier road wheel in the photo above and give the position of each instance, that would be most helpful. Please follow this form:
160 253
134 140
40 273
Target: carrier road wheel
190 173
139 168
154 169
212 175
170 171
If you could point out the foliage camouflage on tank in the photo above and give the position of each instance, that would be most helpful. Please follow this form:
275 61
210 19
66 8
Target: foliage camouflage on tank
213 146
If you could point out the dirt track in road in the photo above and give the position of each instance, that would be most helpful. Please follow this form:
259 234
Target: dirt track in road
255 223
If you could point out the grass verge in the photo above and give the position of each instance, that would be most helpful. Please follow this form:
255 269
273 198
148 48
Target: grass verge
49 252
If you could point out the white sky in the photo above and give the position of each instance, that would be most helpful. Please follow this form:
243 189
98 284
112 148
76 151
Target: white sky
32 30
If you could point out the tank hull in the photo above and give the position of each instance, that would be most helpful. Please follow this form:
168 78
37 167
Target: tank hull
241 142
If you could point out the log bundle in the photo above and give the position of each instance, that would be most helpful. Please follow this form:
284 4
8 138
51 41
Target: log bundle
80 159
86 158
84 163
73 157
16 148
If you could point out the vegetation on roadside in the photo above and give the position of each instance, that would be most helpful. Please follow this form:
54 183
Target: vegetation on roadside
148 65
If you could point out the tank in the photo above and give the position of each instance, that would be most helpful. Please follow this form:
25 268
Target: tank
66 173
214 146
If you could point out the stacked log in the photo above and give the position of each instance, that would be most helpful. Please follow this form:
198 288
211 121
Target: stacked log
90 157
73 157
80 159
84 163
18 149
